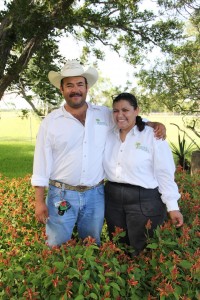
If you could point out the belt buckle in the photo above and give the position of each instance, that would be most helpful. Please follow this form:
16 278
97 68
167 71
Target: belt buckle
82 188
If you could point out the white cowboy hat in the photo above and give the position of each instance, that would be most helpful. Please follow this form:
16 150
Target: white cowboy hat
71 69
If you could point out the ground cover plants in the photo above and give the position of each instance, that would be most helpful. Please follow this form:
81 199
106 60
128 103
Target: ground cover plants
168 269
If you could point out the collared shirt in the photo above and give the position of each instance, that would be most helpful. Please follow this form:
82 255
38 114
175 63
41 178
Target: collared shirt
69 152
142 160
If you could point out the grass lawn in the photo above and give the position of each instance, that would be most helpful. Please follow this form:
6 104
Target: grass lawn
18 136
17 143
16 158
172 130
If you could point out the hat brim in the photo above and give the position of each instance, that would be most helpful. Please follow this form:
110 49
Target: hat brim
91 76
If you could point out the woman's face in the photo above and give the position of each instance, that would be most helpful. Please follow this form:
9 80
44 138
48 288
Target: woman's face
124 115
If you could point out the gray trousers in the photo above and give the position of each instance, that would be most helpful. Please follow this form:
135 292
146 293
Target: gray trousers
130 207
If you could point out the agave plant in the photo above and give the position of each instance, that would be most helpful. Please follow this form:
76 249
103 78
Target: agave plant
182 151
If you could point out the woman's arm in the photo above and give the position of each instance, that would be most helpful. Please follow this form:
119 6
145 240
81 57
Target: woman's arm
164 170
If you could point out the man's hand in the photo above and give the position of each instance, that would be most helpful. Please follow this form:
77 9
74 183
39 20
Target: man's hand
41 210
176 217
159 129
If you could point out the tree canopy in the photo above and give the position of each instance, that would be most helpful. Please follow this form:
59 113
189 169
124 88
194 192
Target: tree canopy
175 80
29 31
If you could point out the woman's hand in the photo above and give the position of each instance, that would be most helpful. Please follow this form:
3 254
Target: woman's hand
176 217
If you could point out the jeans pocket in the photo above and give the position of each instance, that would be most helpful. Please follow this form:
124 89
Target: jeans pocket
54 192
100 189
151 204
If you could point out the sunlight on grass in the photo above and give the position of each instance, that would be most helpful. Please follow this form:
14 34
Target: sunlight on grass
13 127
16 159
18 136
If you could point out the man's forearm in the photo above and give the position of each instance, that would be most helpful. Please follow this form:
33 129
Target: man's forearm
39 194
152 124
159 129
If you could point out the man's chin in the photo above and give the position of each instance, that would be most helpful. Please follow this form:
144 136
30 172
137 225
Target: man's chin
77 104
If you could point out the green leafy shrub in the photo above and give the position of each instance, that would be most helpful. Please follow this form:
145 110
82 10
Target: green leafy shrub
182 151
169 268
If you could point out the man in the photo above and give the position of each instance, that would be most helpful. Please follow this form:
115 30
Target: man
68 159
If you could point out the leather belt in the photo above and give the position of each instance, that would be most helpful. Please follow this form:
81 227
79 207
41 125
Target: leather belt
78 188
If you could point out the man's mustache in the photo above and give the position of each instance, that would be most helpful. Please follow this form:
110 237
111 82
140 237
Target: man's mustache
75 94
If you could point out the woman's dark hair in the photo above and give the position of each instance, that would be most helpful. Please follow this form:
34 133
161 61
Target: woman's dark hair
133 102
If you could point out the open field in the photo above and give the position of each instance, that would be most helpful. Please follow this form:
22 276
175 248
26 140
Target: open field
16 158
13 128
172 131
17 140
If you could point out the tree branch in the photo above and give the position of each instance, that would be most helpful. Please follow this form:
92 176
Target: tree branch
193 141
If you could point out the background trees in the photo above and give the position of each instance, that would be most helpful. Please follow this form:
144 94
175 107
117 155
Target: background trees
174 81
30 31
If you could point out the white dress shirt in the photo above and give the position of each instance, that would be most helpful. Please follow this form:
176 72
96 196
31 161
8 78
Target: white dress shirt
69 152
142 160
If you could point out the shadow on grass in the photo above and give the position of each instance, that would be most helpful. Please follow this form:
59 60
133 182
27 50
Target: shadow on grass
16 159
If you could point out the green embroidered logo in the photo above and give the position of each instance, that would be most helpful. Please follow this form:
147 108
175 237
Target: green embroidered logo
139 146
99 122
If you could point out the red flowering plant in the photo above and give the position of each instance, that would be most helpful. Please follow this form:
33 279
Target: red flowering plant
167 269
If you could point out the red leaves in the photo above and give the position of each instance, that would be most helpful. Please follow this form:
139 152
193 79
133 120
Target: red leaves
31 270
165 288
132 282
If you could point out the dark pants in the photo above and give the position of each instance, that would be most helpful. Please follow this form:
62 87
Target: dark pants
130 207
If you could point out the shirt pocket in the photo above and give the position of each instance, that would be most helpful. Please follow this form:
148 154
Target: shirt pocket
100 135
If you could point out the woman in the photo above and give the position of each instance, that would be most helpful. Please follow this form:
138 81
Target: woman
140 172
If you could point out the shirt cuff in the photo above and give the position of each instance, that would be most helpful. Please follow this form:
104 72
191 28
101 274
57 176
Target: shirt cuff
39 181
172 206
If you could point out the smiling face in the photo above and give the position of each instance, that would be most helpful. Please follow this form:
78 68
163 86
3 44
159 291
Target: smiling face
124 115
74 90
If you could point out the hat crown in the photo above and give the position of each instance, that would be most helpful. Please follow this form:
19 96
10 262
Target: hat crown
70 69
73 66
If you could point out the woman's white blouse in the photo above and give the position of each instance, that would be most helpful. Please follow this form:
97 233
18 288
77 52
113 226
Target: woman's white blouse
142 160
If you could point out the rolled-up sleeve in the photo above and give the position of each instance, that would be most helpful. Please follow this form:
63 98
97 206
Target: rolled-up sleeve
164 169
42 158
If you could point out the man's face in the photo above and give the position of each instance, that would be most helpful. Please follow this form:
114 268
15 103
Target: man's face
74 90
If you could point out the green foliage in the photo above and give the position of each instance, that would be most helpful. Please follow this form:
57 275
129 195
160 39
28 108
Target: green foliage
183 151
173 81
167 269
30 33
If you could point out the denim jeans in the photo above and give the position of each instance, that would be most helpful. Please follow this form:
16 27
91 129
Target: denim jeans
87 212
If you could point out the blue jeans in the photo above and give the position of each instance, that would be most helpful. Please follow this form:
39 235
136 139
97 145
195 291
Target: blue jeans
87 212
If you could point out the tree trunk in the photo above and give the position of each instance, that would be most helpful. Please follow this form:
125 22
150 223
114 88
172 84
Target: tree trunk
8 38
20 65
195 162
